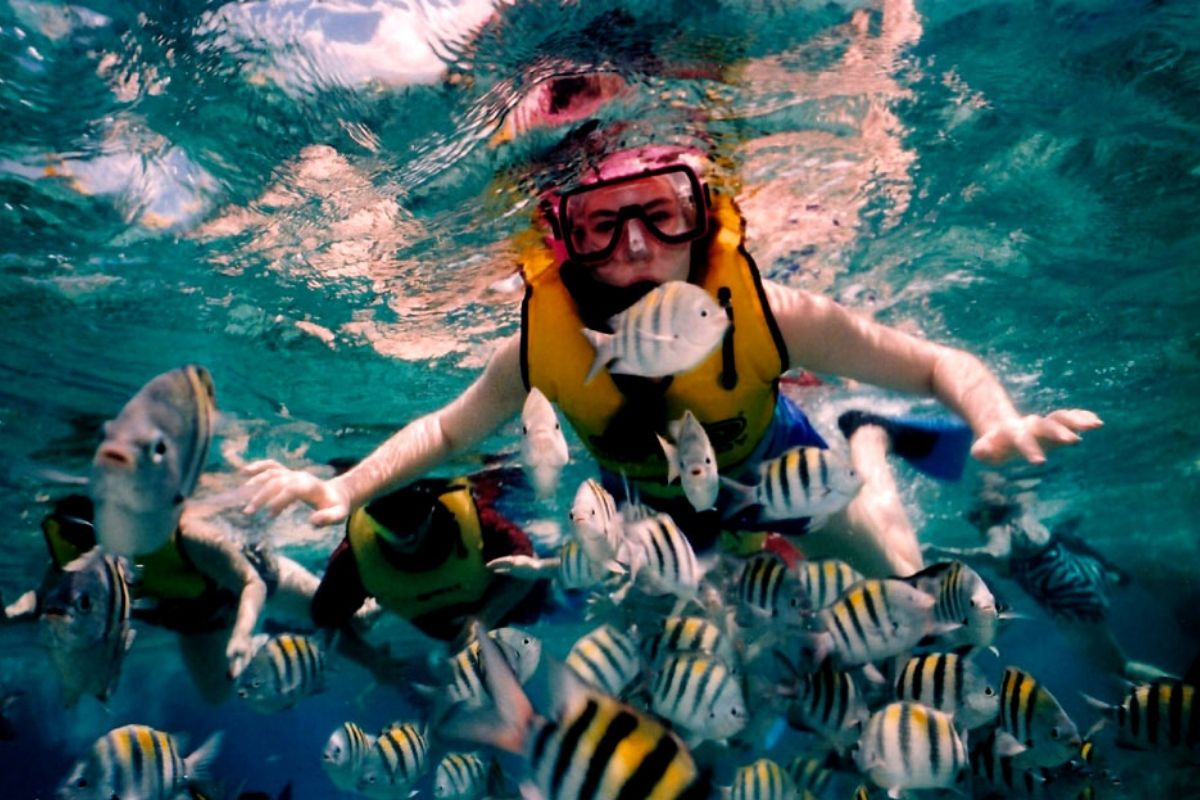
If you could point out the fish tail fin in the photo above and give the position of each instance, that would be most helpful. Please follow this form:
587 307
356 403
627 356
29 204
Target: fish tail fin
505 722
199 763
601 343
741 497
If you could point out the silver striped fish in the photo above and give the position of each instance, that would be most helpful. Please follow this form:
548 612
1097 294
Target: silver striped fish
605 658
660 557
911 746
461 776
85 622
344 754
671 329
285 668
963 598
1035 719
825 580
809 775
801 482
701 694
575 570
521 650
543 446
695 635
762 780
597 525
949 683
767 592
1162 715
874 620
136 761
398 760
693 461
828 703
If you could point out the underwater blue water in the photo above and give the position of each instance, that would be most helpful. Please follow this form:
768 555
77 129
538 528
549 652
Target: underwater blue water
310 204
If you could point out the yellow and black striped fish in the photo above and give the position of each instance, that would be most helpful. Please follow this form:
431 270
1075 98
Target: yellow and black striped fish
461 776
828 702
522 651
605 658
575 569
594 746
874 620
137 761
661 558
344 754
767 592
802 482
911 746
688 635
762 780
701 694
1035 719
1162 715
809 775
285 668
962 598
825 580
950 683
398 760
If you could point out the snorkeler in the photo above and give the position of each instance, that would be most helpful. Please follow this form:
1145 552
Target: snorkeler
635 220
421 552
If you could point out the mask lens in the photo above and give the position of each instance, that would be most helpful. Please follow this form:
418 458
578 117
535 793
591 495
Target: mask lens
666 201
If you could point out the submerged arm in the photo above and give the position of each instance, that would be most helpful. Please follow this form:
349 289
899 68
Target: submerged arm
823 336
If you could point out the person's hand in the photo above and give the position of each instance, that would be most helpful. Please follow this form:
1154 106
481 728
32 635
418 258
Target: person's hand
238 653
521 567
275 487
1031 436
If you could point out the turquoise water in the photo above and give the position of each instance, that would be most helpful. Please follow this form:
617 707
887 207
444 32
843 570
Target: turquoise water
283 194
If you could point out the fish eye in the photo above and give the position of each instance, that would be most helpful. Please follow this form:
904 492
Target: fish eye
157 449
1054 732
966 620
85 603
525 430
81 783
972 603
989 691
703 312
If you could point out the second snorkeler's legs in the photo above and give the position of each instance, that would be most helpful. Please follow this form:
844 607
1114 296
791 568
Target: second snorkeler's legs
873 534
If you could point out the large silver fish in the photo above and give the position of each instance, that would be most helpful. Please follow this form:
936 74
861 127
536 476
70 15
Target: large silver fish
135 761
150 460
950 683
700 693
344 754
543 447
284 669
1032 715
670 330
875 619
85 623
910 746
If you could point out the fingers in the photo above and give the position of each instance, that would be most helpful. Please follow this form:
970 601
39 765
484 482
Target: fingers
328 516
1077 419
263 464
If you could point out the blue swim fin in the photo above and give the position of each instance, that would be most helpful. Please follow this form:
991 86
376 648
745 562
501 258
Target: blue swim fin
936 446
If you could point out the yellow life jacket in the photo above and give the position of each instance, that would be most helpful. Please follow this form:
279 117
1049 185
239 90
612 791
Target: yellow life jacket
462 578
732 392
164 574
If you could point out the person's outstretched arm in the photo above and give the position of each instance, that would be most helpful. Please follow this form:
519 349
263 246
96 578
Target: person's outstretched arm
823 336
496 396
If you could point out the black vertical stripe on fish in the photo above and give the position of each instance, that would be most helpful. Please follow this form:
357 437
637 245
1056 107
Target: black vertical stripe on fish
620 727
905 734
821 588
869 602
933 731
805 478
960 666
651 771
569 743
658 554
1006 700
539 744
852 612
1153 712
1030 708
939 681
163 761
824 461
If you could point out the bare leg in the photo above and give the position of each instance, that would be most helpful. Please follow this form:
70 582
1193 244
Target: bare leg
873 534
291 602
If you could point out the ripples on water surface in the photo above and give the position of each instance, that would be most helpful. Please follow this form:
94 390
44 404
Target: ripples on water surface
310 199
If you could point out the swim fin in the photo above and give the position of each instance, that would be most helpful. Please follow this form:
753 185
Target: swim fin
936 446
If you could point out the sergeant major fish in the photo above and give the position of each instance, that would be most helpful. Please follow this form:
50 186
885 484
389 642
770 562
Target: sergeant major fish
593 746
136 761
802 482
962 597
701 694
661 559
399 758
521 650
151 459
605 658
949 683
692 460
828 702
345 753
762 780
1161 715
910 746
461 776
284 669
826 580
874 619
671 329
688 635
543 447
1035 719
768 592
85 623
597 526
